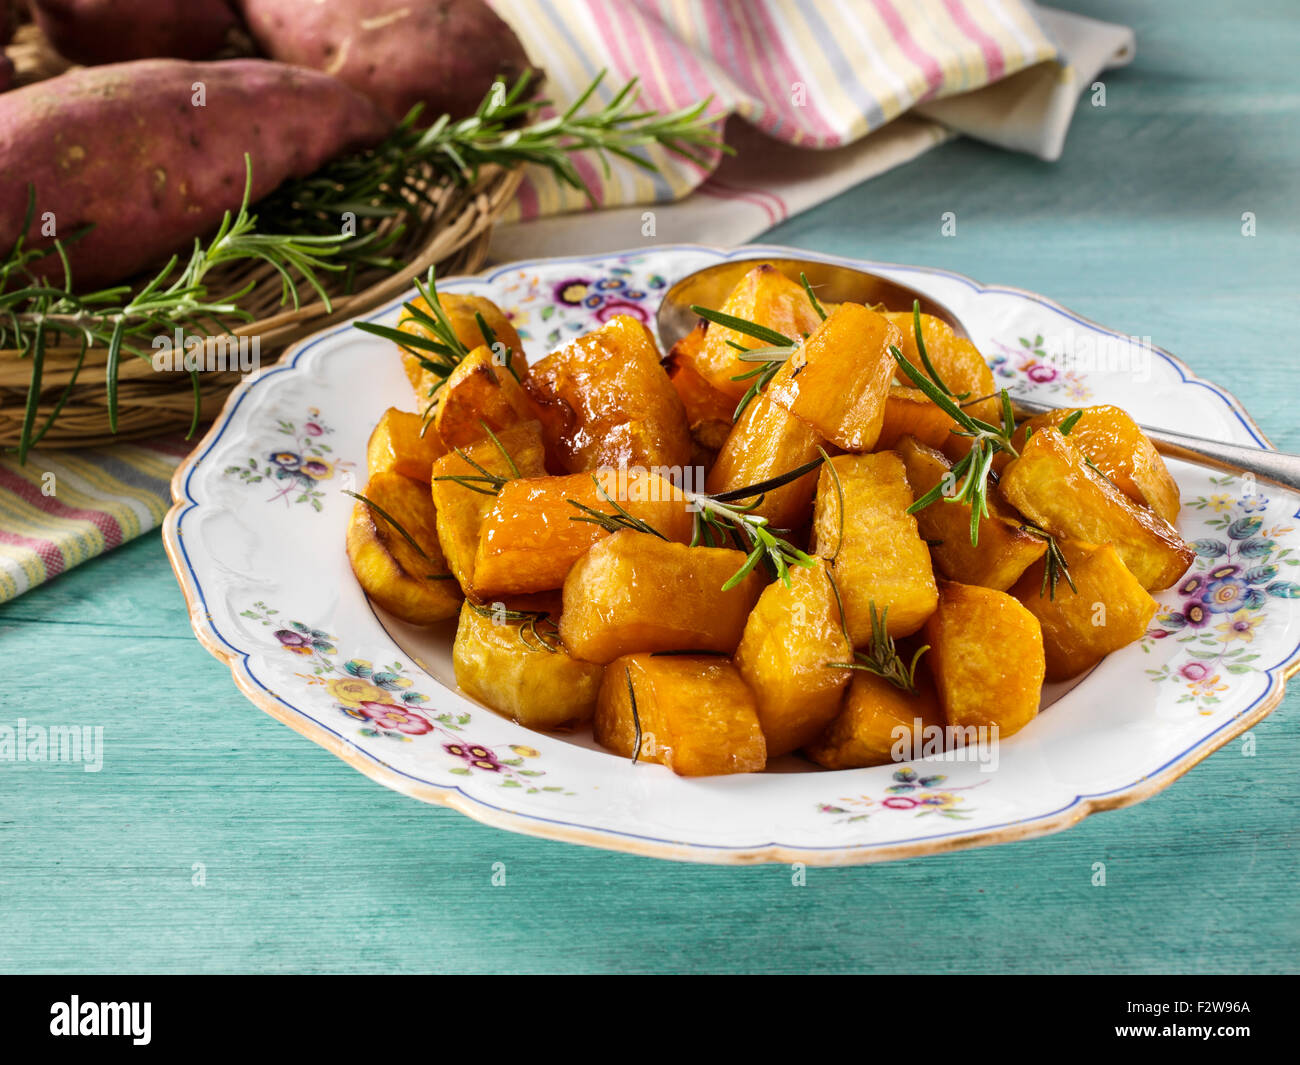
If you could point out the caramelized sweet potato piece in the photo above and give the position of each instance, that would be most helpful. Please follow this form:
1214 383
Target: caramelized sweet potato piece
480 391
605 400
875 547
986 657
910 412
1005 549
634 592
460 309
1119 448
867 729
522 670
461 510
696 715
708 411
766 297
409 582
1052 485
528 541
766 442
838 379
396 445
789 638
1109 610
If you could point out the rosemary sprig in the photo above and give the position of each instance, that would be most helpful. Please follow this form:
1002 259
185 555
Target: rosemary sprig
1069 423
1055 565
36 313
636 717
882 658
622 518
537 629
485 481
925 357
376 509
975 466
777 349
812 296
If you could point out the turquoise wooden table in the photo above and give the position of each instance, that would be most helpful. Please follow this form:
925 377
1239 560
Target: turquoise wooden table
215 839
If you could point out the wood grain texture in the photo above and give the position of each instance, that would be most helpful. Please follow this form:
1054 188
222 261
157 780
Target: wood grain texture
311 867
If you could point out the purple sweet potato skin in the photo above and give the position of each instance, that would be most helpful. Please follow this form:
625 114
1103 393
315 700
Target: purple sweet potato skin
114 31
125 148
443 53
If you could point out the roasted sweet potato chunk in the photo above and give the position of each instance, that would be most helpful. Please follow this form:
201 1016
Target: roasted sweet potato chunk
481 391
461 310
529 541
1109 609
461 509
408 580
910 412
766 442
838 379
867 730
397 445
766 297
793 632
874 545
519 668
605 400
708 411
695 714
1052 485
986 657
1116 445
634 592
1005 550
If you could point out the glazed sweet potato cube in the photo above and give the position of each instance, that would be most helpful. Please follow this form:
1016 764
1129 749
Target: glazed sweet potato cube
1120 449
695 715
481 391
605 400
1053 486
838 379
986 657
397 445
519 668
877 550
875 715
766 442
793 632
634 592
460 310
461 509
408 580
1109 609
910 412
766 297
1005 550
708 411
529 541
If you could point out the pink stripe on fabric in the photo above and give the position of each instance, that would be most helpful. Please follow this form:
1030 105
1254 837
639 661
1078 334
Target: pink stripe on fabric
722 192
922 60
994 62
528 200
29 493
820 128
49 554
748 190
722 27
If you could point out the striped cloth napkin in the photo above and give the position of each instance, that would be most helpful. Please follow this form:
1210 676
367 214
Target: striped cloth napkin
866 84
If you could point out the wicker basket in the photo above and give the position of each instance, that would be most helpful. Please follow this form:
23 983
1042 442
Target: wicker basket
451 233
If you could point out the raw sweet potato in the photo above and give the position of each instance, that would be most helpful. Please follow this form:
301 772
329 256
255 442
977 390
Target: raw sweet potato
442 53
792 634
124 148
838 379
1107 609
605 400
867 729
1005 549
396 444
1052 484
461 309
522 672
529 541
695 715
986 657
879 556
411 582
115 31
634 592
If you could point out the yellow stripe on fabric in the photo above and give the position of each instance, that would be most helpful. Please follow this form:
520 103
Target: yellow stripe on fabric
104 492
824 92
77 539
1013 54
24 559
145 461
1040 46
939 37
871 53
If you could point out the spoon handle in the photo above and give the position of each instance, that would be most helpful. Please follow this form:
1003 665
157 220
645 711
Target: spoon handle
1275 466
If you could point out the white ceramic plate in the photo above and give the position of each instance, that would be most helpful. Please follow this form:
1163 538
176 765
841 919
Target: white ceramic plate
256 538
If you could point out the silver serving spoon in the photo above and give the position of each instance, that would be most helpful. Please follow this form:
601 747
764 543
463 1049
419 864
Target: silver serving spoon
838 284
